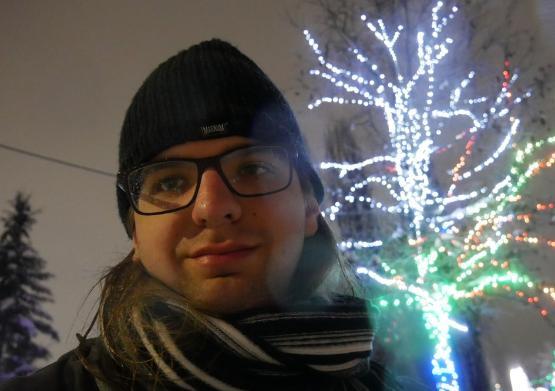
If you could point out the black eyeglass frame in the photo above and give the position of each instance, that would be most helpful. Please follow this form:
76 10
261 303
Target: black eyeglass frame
202 164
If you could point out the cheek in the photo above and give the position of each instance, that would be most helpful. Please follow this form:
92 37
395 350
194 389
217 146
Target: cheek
282 263
157 232
283 217
284 222
156 242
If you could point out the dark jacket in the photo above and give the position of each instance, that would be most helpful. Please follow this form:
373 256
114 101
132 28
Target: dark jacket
68 374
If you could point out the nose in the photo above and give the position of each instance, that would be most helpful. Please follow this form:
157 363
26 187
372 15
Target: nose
215 204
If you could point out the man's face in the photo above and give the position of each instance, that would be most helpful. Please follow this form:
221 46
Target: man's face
226 253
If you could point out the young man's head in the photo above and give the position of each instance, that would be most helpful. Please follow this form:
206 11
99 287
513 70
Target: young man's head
222 194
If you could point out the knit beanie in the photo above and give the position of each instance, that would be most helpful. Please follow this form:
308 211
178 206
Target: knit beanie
210 90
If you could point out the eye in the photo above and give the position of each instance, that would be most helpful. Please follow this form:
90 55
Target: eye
173 184
255 169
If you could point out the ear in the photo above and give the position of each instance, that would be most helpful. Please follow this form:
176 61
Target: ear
131 227
312 211
135 257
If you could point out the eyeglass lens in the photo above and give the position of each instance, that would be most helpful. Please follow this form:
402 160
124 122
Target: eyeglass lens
252 171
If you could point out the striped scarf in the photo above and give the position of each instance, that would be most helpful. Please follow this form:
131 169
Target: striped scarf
317 344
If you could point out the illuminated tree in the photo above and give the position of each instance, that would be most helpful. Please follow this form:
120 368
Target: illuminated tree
453 233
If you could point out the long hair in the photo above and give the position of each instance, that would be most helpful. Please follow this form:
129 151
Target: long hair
127 287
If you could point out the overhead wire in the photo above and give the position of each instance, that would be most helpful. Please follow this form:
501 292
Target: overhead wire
58 161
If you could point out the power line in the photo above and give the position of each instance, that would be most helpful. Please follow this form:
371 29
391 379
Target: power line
53 160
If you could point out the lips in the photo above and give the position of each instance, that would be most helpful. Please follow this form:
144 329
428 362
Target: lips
222 259
226 248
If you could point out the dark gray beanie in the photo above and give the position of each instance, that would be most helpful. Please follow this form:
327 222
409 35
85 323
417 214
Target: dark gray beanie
208 91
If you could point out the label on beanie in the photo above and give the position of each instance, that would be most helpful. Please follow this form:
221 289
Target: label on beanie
212 130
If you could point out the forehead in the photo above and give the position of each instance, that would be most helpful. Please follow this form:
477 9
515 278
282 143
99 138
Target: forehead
204 148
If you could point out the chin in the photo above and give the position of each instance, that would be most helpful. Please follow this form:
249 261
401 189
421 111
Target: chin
229 307
226 296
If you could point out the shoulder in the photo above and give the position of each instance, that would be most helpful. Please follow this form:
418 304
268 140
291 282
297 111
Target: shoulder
67 373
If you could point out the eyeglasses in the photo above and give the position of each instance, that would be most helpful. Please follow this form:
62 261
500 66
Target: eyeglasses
170 185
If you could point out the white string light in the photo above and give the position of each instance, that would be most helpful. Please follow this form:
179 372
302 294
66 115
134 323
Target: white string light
415 108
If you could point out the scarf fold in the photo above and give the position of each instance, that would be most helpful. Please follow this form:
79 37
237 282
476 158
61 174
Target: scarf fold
316 344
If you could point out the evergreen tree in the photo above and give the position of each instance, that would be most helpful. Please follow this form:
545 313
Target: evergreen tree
22 294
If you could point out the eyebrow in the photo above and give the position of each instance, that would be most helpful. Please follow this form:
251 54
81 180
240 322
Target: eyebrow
165 156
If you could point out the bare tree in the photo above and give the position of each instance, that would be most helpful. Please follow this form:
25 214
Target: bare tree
390 147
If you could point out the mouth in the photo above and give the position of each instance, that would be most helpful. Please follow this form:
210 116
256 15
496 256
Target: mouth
223 260
224 248
227 256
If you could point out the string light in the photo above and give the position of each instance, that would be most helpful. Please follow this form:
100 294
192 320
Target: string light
548 381
470 230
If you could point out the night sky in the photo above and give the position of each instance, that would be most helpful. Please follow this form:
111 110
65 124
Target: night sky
68 71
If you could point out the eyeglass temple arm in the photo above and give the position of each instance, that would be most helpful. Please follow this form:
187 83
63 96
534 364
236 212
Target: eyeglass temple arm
152 200
157 202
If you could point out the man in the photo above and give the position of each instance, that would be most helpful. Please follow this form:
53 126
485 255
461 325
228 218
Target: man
225 288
